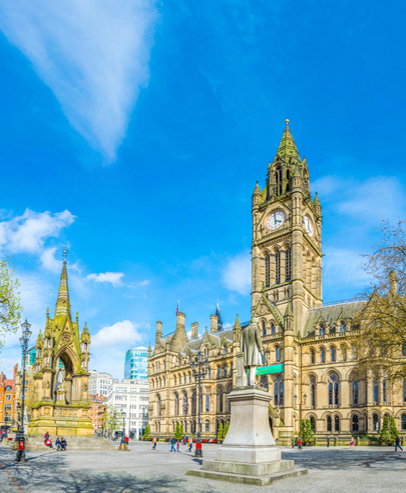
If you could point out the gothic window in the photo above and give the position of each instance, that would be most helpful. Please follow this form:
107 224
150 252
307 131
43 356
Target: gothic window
218 372
333 390
263 358
329 428
384 390
194 403
313 392
278 180
322 330
158 405
312 424
342 327
207 401
333 354
375 423
312 356
322 355
278 353
184 378
221 400
206 352
264 383
273 330
207 425
375 390
209 372
225 371
185 404
176 407
268 271
336 423
288 265
403 421
287 180
355 393
224 349
277 267
174 380
263 328
278 392
355 423
404 390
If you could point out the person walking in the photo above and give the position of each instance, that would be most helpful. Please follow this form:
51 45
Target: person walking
397 444
293 442
154 440
177 446
190 443
352 443
173 441
328 440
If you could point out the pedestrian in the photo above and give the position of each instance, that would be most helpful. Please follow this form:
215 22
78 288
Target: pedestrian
154 443
126 439
173 441
293 442
46 435
352 443
397 444
299 444
190 443
177 446
328 440
58 444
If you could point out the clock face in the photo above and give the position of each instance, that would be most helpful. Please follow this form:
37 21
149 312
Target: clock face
275 220
308 225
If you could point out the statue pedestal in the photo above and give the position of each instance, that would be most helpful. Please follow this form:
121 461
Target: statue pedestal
249 454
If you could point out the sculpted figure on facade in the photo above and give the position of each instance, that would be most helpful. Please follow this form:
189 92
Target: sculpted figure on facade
252 348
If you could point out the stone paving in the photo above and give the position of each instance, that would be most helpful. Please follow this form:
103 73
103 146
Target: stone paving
373 469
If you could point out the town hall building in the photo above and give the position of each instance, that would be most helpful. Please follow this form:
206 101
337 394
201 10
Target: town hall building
310 359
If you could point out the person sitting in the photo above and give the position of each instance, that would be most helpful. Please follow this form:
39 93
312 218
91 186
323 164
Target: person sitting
46 435
58 444
63 443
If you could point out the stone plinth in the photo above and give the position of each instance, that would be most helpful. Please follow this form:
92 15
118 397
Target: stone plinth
36 442
249 454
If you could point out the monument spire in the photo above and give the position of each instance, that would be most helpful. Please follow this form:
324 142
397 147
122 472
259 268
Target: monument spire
63 303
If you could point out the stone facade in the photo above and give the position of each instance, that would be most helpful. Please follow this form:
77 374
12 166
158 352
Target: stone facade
310 364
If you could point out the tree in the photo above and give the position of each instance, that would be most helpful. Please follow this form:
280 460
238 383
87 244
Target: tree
306 430
380 327
178 431
385 430
147 433
10 302
226 430
393 430
112 418
220 432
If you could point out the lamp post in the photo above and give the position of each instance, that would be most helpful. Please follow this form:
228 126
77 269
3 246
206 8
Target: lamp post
123 437
300 446
199 368
20 429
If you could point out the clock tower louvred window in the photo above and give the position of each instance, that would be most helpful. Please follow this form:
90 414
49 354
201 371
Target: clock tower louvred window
278 268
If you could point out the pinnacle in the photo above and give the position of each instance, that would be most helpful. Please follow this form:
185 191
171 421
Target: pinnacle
257 190
287 147
63 303
237 325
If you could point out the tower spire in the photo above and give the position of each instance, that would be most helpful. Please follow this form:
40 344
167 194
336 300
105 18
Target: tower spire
63 303
219 321
287 147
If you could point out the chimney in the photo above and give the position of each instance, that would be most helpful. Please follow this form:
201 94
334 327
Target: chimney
195 333
159 329
393 282
213 324
180 319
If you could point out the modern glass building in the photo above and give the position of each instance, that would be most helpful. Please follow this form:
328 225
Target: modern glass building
136 364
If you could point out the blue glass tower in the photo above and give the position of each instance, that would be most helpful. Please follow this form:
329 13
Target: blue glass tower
136 364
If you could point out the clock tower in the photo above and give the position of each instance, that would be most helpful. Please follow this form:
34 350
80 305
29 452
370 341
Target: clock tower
286 242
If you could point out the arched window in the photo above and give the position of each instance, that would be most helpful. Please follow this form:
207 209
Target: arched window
158 405
206 352
288 265
322 355
287 180
312 356
225 371
403 421
273 330
194 403
333 354
219 372
268 271
221 400
263 328
354 422
277 267
313 392
184 378
264 383
207 425
278 180
185 404
355 393
329 428
207 401
322 330
278 353
263 358
209 372
336 423
278 392
333 390
375 422
375 390
176 406
342 327
384 390
174 380
313 424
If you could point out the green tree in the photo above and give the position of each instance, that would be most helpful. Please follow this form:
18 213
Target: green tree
226 430
10 302
393 430
178 431
220 432
147 433
306 430
112 418
385 430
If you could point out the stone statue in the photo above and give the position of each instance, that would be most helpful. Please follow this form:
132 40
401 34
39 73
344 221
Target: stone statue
252 349
60 380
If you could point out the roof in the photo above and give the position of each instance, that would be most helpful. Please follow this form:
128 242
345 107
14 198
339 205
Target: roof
330 315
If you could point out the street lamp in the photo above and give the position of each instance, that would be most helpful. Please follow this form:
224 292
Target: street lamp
123 437
199 369
20 428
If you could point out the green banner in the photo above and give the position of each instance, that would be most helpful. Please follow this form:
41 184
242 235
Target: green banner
266 370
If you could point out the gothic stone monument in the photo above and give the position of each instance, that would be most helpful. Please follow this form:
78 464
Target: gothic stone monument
61 400
249 454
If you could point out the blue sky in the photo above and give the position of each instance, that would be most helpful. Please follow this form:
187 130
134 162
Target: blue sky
134 132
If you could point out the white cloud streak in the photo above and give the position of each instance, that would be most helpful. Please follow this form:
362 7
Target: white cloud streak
113 278
237 273
92 54
121 333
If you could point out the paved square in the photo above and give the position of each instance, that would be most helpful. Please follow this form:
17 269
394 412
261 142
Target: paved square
373 469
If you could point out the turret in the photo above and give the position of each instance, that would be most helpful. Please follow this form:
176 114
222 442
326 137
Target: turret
288 317
317 205
158 335
237 330
213 324
256 197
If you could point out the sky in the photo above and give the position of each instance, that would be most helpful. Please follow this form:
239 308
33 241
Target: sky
133 134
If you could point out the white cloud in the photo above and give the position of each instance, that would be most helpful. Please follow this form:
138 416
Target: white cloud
93 55
28 233
49 261
237 273
121 333
140 284
107 277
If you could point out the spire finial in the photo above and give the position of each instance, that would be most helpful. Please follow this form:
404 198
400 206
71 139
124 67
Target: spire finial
287 122
65 253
